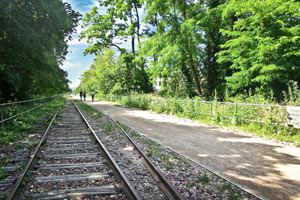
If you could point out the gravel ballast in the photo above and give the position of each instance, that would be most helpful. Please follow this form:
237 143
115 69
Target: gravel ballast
193 181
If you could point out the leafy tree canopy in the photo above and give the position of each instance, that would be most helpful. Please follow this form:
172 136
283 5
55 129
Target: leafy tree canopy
33 43
263 45
199 47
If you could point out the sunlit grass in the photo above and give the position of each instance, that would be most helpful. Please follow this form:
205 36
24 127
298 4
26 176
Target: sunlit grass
225 115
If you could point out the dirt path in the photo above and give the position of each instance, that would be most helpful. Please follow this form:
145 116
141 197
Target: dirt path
265 168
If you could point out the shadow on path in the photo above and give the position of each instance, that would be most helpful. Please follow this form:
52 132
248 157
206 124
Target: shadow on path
265 168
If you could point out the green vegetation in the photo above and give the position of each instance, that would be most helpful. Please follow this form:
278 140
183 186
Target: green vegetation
2 174
32 144
270 120
197 48
135 135
93 112
203 178
33 44
108 127
21 126
208 50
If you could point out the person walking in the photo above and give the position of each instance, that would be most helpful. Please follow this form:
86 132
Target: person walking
84 95
80 95
92 95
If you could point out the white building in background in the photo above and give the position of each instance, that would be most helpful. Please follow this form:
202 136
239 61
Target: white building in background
157 84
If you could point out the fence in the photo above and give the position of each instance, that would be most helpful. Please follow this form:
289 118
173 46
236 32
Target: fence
230 111
12 110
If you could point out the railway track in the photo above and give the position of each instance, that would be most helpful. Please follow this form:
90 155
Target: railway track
70 162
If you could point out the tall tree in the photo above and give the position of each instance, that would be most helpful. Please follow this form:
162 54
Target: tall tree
210 23
178 36
33 43
264 45
112 29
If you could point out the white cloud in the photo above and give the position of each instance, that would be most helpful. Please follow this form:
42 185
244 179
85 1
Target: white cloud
67 65
74 84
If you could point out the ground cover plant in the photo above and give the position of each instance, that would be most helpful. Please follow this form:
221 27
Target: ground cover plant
17 131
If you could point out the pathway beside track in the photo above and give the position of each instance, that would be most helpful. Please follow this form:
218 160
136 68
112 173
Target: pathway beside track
72 162
267 169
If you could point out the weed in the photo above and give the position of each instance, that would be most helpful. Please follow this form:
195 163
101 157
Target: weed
32 144
135 135
235 196
169 166
3 196
203 178
3 174
226 186
20 145
6 160
108 127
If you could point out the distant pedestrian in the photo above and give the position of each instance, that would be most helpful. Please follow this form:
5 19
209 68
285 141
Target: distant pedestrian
81 95
92 95
84 95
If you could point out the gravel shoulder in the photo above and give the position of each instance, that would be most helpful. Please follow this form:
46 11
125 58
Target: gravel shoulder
265 168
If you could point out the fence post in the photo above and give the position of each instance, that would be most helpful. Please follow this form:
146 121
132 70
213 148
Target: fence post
199 109
1 117
194 110
211 110
271 113
235 114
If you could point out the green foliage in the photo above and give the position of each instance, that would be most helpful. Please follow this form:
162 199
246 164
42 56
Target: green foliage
121 21
263 45
32 144
260 119
23 125
3 174
33 43
110 74
203 178
231 46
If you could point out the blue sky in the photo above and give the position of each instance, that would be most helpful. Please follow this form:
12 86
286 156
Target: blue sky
76 63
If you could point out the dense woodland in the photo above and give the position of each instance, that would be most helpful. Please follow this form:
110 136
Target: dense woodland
198 47
33 44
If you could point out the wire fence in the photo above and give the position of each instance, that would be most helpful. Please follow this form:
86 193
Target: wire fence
231 111
12 110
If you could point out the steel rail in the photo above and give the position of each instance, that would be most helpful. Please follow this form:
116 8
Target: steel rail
13 193
12 117
169 189
204 167
26 101
132 193
196 163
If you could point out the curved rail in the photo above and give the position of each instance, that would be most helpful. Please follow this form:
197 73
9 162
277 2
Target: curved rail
13 193
131 192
